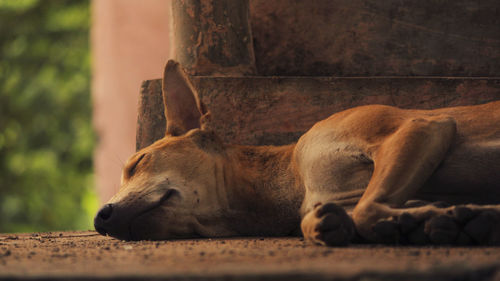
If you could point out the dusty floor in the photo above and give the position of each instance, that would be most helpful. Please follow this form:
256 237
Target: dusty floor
89 256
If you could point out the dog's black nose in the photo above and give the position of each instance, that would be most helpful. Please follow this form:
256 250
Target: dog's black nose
105 212
102 216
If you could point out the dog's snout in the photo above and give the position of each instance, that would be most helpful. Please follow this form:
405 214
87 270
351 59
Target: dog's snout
105 212
102 216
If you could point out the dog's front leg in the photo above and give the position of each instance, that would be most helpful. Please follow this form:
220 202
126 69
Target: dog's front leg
403 162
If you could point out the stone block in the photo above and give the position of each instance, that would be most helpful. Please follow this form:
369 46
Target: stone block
277 110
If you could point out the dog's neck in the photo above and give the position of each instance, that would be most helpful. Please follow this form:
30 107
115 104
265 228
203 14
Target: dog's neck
262 184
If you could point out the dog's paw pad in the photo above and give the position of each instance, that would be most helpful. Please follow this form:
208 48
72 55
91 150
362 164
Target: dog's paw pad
418 236
335 227
442 229
407 223
401 229
483 228
464 239
459 225
387 231
462 214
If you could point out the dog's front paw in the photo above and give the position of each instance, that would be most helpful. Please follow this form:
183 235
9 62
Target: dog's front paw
328 225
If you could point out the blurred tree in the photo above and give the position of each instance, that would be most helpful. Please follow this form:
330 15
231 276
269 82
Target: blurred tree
46 138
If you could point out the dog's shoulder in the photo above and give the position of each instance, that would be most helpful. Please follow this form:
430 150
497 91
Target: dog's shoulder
360 122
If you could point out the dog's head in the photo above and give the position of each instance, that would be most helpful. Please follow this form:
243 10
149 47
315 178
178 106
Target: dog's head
169 189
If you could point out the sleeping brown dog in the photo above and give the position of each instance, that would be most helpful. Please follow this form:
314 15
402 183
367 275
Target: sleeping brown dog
372 172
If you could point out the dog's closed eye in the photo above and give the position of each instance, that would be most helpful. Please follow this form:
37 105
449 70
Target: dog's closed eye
132 169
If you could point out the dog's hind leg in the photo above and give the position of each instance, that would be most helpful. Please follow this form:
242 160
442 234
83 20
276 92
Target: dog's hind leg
403 161
402 164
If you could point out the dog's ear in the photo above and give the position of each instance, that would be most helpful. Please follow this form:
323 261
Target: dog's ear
183 109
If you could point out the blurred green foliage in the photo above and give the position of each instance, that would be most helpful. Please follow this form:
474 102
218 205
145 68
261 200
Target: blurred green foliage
46 137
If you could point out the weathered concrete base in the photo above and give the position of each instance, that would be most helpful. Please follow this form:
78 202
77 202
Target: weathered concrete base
89 256
277 110
376 38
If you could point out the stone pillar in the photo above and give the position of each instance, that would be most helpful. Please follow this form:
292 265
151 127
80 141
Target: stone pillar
213 37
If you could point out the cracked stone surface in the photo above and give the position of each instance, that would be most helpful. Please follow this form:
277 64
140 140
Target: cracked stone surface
89 256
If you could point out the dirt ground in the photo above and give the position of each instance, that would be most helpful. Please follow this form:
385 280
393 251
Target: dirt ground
89 256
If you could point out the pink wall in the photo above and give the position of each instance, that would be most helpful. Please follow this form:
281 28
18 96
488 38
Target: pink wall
130 43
